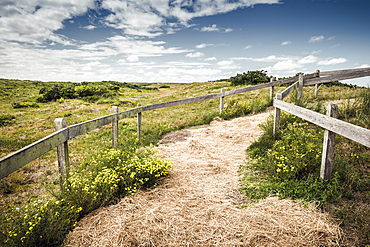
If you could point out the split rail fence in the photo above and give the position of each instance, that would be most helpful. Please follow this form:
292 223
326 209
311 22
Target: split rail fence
59 139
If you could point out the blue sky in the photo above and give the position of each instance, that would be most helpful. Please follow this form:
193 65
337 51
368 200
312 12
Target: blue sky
180 40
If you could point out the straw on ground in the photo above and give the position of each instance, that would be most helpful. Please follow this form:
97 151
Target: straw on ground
198 204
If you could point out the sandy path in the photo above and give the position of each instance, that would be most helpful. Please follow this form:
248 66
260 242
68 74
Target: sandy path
197 204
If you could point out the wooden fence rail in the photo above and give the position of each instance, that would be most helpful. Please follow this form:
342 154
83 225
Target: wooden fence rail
350 131
18 159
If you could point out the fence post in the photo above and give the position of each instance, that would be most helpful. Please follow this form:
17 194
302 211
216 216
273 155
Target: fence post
62 151
300 87
328 146
277 115
139 122
115 126
317 85
222 100
272 87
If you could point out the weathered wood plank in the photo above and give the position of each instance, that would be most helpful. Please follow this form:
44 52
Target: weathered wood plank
81 128
289 90
20 158
128 113
328 146
343 72
115 127
337 77
350 131
222 100
277 115
139 121
181 101
300 87
63 154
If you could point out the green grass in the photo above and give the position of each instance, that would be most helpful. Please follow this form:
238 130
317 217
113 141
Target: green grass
288 165
32 120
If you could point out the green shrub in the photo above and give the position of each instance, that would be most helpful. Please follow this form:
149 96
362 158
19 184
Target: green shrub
288 165
250 78
24 105
38 223
6 119
85 90
260 147
164 86
112 173
96 182
296 155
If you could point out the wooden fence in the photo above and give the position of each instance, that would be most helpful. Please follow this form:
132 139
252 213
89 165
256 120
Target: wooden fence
329 121
63 133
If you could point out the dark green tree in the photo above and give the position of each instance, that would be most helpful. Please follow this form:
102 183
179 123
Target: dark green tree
250 78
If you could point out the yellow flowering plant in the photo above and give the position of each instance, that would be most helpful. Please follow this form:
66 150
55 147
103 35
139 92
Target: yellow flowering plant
296 154
41 222
113 173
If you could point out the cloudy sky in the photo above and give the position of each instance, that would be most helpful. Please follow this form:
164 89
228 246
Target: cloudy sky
180 40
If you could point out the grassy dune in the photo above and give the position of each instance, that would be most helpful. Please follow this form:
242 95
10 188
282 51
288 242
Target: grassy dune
24 119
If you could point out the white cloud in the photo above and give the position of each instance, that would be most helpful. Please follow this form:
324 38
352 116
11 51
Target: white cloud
314 39
331 38
332 61
195 54
204 45
364 66
89 27
288 65
227 64
308 59
36 21
214 28
248 47
211 59
286 43
132 58
271 58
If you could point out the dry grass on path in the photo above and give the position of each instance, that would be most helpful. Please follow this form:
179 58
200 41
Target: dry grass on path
197 203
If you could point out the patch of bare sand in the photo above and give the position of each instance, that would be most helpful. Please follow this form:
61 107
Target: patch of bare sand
195 205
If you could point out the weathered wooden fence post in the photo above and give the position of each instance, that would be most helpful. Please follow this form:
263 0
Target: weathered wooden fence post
222 100
115 126
317 85
62 151
272 87
300 87
277 115
139 122
328 146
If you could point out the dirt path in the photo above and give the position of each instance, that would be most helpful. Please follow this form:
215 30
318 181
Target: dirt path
197 205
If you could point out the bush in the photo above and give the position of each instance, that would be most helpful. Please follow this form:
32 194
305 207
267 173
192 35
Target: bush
38 223
24 105
288 164
164 86
296 155
112 173
86 91
6 119
96 182
250 78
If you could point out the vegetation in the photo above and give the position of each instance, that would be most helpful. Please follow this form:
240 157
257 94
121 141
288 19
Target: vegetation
288 165
250 78
33 190
98 181
6 120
